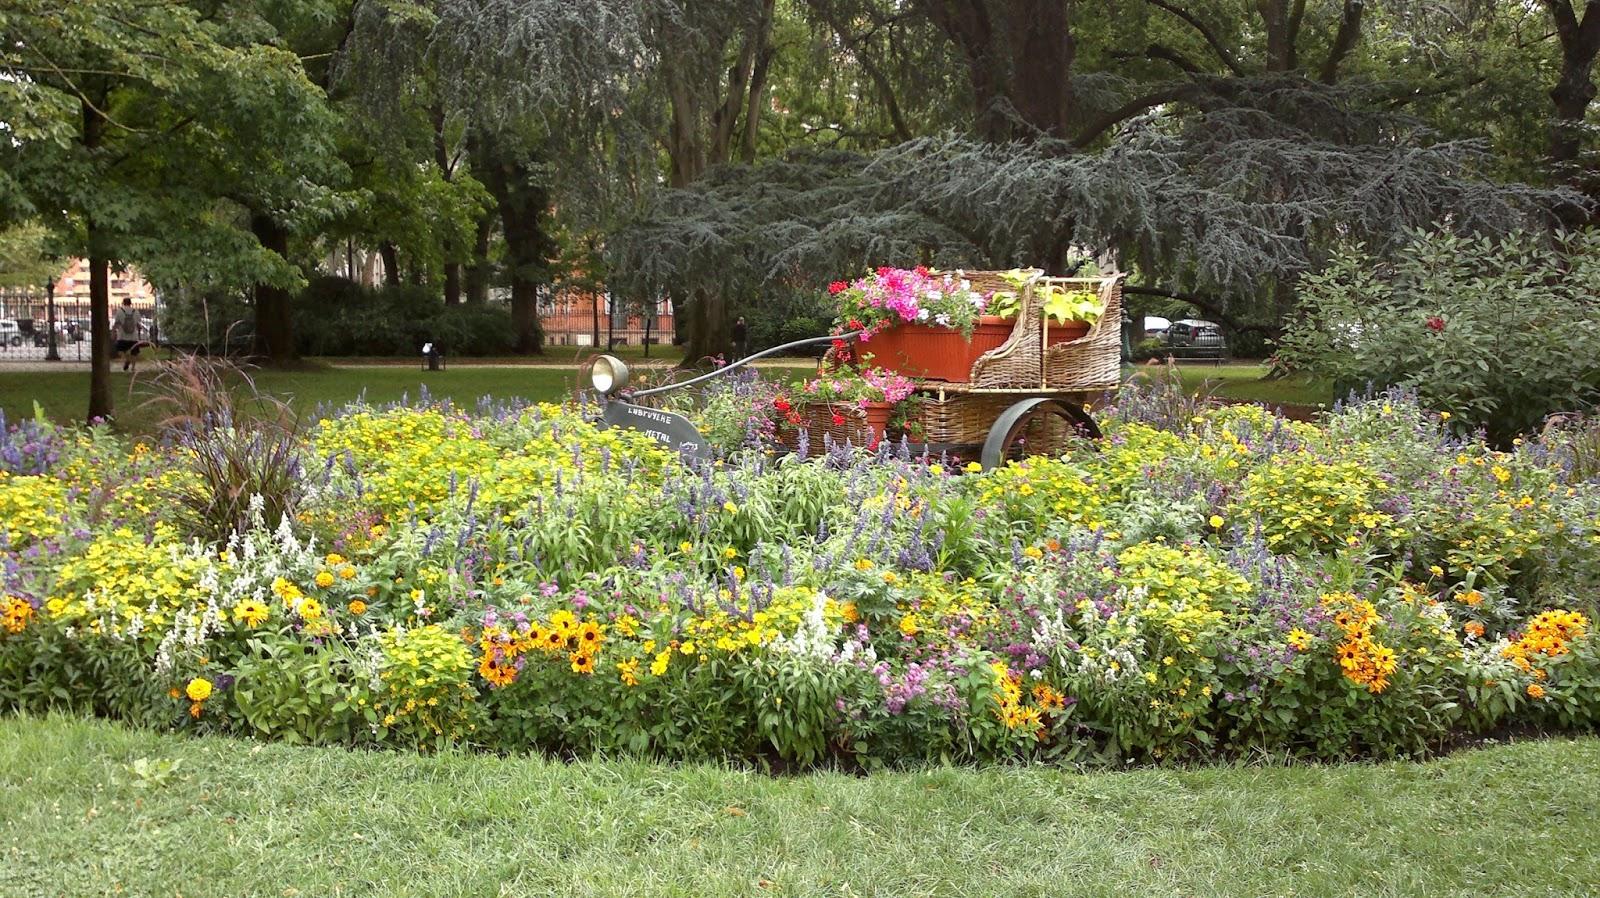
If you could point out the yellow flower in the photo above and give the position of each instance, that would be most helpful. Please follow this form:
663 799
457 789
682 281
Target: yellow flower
1535 691
730 553
628 671
358 607
250 612
334 559
909 625
198 690
686 547
1299 639
324 579
1444 416
863 564
687 648
973 468
730 508
659 665
310 609
348 573
1033 552
1216 522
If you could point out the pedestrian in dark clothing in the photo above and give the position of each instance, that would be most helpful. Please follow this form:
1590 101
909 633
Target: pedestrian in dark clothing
741 338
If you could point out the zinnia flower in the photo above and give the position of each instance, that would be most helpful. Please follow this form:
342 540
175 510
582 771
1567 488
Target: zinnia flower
198 690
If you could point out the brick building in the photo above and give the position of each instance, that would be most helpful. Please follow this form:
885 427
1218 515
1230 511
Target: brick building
575 317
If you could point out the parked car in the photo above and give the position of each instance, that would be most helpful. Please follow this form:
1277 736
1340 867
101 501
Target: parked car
1194 337
10 332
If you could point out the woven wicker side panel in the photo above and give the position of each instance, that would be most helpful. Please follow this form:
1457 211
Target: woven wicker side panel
817 420
1095 361
1016 364
960 418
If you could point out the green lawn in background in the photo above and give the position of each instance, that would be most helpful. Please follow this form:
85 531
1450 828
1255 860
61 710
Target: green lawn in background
1246 381
219 817
64 394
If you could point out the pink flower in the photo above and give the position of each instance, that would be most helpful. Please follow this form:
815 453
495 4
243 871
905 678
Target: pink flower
1435 323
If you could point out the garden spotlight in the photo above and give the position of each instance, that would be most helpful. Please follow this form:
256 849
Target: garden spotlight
608 375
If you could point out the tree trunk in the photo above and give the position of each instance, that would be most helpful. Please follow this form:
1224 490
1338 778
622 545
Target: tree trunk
100 331
523 202
1572 93
391 263
99 290
274 310
709 333
478 272
452 283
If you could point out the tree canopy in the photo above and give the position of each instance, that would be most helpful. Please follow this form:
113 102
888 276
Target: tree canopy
733 155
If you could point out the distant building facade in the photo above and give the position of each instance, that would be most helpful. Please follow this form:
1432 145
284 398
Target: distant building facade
573 317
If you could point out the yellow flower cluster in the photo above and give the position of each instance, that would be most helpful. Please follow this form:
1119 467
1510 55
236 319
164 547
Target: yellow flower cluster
1181 585
1303 502
1041 491
1549 634
563 636
129 576
1013 707
426 674
1362 659
15 613
31 508
412 456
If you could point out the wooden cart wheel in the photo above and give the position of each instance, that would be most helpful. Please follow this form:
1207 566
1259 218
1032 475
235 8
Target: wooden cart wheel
1008 437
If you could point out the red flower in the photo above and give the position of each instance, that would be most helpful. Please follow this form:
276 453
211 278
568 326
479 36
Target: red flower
855 324
1435 323
922 270
837 419
781 404
794 418
838 287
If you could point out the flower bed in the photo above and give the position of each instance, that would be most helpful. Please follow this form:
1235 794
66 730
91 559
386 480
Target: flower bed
1205 584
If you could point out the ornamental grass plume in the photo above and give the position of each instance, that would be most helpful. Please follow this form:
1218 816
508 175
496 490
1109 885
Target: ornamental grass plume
240 443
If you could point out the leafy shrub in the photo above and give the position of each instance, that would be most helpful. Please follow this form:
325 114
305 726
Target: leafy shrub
1493 332
336 317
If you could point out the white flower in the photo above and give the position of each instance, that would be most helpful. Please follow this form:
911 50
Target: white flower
922 314
942 320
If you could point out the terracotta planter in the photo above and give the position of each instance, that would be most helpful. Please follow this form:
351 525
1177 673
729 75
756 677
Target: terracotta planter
1056 332
937 353
878 414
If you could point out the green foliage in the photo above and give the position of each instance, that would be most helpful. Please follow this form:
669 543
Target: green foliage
335 317
1488 331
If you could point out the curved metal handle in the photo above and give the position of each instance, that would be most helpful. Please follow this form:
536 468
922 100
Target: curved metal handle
809 341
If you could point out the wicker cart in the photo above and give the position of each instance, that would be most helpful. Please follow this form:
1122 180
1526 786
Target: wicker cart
1029 396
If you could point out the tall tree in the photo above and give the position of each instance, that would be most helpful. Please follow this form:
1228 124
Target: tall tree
146 129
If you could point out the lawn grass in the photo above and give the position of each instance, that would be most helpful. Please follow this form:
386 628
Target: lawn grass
1246 381
64 395
238 818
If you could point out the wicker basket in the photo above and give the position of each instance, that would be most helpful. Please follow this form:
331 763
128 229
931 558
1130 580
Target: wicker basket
817 420
1094 361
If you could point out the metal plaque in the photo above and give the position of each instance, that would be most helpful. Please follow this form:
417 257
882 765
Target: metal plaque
674 430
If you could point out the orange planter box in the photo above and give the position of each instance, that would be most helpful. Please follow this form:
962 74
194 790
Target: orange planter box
937 353
1065 333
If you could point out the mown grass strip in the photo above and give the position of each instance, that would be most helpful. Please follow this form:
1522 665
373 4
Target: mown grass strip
238 818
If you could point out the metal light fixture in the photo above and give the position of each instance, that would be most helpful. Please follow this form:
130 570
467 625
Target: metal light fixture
52 354
608 375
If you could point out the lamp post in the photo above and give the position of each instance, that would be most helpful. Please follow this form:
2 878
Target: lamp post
52 355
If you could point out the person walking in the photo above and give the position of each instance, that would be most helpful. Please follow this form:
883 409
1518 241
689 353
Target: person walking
741 338
125 328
